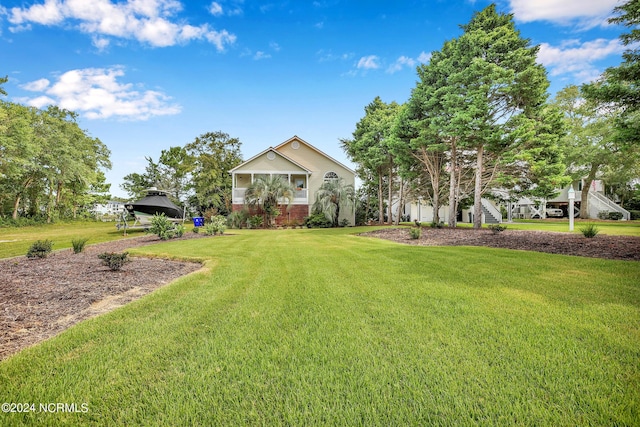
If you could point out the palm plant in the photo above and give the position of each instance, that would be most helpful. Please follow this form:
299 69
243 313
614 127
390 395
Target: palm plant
267 192
333 195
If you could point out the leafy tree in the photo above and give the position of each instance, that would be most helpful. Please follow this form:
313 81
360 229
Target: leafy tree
333 195
267 192
48 163
3 80
484 94
370 147
620 86
212 155
504 89
591 147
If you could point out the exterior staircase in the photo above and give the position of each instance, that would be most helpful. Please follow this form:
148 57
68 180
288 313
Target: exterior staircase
491 214
598 203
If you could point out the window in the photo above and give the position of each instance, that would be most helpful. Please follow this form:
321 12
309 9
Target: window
330 176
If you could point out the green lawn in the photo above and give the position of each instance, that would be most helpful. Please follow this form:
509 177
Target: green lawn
321 327
15 241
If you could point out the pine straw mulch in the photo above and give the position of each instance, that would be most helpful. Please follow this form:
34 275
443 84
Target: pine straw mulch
600 246
39 298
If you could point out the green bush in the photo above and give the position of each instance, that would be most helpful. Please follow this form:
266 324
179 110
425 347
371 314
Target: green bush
616 216
603 215
437 224
162 227
415 232
40 249
114 260
196 230
255 221
78 244
317 220
590 230
217 225
179 230
497 228
238 219
635 214
344 222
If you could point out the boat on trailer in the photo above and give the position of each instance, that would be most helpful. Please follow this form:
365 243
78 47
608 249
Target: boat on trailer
155 202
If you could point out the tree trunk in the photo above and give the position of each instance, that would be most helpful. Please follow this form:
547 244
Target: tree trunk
453 185
400 196
390 196
477 192
584 194
16 204
380 201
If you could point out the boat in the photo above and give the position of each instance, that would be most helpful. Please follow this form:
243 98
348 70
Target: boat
155 202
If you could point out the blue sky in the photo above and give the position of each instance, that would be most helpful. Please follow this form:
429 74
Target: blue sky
145 75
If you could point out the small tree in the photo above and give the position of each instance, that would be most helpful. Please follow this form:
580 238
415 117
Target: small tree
333 195
267 192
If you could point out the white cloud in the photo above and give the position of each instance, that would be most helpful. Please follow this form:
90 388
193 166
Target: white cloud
424 57
590 12
368 63
578 58
147 21
96 93
36 86
261 55
216 9
402 62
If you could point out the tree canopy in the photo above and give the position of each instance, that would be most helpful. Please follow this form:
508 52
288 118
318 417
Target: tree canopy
481 102
620 86
49 167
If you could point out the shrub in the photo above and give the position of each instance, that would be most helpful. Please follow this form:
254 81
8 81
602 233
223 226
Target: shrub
255 221
179 230
162 227
415 232
40 249
497 228
437 224
317 220
196 230
218 224
635 214
114 260
238 219
78 244
589 230
344 222
603 215
616 216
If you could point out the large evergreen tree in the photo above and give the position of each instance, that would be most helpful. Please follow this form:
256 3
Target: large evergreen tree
484 93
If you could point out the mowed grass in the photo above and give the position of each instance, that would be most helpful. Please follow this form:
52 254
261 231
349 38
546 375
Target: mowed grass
15 241
322 327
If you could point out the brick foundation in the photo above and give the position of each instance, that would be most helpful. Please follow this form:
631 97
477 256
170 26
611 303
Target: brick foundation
295 212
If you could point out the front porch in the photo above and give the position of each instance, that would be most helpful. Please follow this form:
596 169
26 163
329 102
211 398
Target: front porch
300 182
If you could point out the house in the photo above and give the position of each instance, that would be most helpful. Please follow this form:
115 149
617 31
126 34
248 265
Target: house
527 208
107 210
299 163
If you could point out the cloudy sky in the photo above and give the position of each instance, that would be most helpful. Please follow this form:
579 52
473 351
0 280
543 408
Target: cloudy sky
145 75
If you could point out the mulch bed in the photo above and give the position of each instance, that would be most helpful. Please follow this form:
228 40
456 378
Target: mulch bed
41 297
600 246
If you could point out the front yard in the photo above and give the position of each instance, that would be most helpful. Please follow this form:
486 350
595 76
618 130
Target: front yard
322 327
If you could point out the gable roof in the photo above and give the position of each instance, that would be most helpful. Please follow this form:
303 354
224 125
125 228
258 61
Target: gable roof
277 153
297 138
